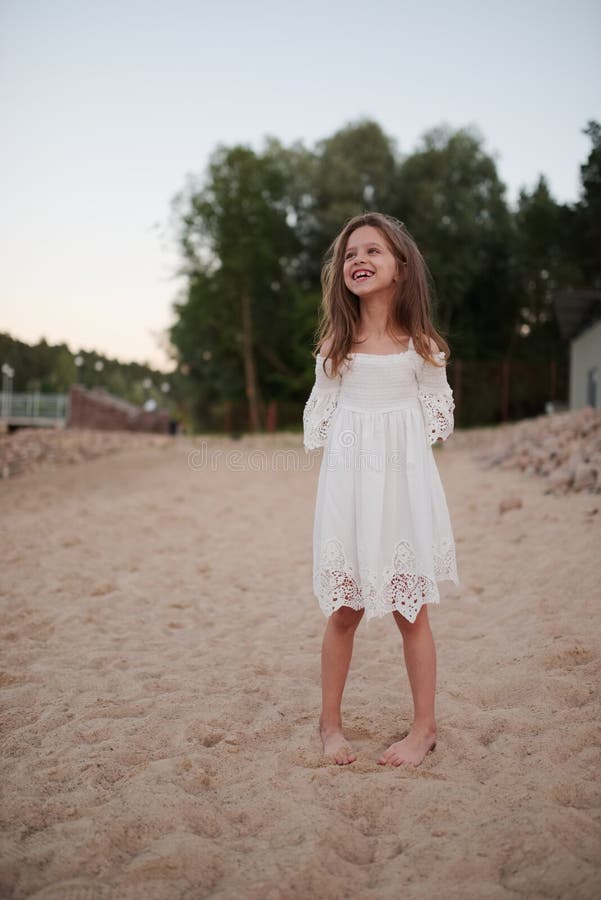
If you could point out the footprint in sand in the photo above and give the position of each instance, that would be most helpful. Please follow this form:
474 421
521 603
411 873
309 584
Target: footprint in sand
568 657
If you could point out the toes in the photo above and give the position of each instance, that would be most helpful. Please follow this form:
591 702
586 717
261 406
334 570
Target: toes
342 756
386 756
345 760
395 756
396 759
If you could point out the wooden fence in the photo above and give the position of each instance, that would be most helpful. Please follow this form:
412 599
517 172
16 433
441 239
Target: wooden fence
486 392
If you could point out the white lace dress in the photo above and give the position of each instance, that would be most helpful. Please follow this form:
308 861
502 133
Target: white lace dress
382 535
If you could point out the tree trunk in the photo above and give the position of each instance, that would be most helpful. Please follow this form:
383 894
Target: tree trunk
250 371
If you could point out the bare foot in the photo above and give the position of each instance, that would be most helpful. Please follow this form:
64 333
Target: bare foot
335 746
411 750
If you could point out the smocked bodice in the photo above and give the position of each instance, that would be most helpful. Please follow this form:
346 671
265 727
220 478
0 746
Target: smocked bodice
373 383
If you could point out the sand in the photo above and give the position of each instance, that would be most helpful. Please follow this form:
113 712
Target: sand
160 689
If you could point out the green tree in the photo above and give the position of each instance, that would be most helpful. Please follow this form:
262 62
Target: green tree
541 265
587 231
354 171
64 370
450 197
239 246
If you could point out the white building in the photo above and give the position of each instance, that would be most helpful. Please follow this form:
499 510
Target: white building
579 318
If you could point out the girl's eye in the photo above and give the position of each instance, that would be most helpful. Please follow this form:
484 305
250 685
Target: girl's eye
371 250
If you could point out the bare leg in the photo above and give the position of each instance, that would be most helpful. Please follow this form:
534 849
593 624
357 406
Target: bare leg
336 652
420 658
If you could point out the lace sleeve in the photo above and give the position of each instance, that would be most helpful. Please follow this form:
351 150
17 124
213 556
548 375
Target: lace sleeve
320 407
436 399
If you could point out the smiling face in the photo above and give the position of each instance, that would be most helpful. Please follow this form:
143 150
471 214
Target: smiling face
369 263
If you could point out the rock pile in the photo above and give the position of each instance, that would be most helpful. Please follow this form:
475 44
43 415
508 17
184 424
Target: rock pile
563 447
28 449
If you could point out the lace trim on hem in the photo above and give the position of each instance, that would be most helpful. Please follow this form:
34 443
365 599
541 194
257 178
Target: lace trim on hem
380 613
402 587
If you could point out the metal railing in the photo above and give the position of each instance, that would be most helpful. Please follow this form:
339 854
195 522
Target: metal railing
34 408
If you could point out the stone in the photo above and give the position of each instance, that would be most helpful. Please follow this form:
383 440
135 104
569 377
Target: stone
585 477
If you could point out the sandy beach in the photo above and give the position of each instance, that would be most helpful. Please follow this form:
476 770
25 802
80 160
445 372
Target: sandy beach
160 689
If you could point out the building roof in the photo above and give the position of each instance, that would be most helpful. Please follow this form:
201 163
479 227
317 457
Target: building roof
576 311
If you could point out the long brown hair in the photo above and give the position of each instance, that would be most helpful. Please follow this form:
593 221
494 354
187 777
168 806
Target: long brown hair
410 311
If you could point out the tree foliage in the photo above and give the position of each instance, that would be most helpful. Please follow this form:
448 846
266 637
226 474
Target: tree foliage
244 303
254 232
588 212
450 197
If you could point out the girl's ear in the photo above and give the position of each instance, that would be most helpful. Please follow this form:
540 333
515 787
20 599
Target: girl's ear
399 272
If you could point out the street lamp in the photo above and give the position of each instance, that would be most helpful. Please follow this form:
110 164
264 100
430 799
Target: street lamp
147 403
98 365
78 364
7 386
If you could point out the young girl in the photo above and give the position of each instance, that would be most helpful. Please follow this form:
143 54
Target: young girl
382 536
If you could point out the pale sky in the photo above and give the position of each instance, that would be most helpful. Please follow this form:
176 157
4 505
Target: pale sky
105 107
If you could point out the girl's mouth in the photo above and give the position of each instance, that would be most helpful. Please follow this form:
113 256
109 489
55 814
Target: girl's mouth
362 273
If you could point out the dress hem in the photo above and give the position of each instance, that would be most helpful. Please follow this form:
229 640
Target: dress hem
375 614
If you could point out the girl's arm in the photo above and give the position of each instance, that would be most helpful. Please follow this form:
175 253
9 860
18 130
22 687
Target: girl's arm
435 396
321 405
